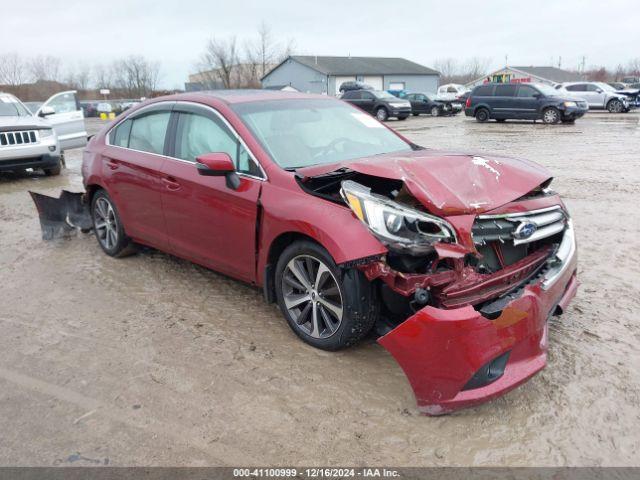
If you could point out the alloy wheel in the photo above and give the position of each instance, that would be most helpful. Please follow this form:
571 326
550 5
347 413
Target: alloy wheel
105 223
550 116
312 296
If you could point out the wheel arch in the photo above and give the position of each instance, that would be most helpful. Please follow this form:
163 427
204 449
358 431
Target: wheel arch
277 246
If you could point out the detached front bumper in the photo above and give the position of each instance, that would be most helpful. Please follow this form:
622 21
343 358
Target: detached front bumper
456 358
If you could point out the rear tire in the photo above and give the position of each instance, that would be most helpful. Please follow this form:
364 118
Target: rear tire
550 116
482 115
404 117
108 227
501 120
310 289
415 114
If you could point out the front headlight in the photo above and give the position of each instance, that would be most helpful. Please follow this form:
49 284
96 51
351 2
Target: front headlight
570 104
47 132
398 227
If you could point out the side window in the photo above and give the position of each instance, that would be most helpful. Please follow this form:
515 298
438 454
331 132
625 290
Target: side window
366 95
148 132
411 97
527 92
64 103
350 95
198 134
505 90
483 91
592 88
452 90
119 136
576 88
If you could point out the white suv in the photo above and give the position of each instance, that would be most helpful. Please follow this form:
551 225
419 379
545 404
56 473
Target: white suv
598 95
38 140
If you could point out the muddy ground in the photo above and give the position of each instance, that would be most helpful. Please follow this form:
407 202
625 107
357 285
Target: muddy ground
151 360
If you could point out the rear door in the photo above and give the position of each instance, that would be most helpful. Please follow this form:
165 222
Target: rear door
67 119
504 105
133 161
207 221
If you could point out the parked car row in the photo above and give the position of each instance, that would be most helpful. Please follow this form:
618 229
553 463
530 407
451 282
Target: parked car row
93 108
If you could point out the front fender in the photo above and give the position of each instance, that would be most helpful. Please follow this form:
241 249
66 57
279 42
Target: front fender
331 225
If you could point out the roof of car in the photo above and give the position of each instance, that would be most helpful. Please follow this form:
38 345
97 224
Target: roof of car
242 96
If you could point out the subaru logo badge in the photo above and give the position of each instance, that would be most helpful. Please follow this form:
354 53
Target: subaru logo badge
524 230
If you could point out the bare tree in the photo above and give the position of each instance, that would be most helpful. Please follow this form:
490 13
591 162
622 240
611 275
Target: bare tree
79 76
219 62
453 71
634 67
136 76
13 70
45 68
103 76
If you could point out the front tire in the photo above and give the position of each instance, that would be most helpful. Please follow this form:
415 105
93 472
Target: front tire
550 116
108 227
615 106
382 114
327 307
53 171
482 115
435 111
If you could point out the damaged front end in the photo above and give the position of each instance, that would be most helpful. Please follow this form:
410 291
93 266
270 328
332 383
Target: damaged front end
465 297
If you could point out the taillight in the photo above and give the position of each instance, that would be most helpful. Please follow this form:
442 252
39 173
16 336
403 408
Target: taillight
468 103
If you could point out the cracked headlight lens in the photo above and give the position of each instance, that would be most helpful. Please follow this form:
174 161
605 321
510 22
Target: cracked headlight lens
400 228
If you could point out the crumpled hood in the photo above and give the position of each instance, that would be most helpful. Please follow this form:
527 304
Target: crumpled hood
450 183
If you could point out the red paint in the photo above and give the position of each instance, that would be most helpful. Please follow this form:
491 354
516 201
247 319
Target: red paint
165 203
218 162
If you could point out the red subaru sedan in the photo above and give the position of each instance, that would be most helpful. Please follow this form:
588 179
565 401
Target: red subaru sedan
456 261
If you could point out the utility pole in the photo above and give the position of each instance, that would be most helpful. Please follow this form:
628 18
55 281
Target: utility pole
560 62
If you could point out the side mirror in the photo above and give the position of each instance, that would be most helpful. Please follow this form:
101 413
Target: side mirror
599 90
218 165
537 96
46 111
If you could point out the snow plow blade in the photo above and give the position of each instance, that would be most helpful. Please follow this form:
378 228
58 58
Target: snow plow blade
62 216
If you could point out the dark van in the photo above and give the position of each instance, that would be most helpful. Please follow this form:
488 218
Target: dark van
502 101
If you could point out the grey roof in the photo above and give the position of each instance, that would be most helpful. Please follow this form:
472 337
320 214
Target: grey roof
363 65
550 73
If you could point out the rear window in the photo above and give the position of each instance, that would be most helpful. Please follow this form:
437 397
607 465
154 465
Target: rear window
505 90
483 91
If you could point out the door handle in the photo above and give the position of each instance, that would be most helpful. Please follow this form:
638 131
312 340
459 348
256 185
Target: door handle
171 183
112 165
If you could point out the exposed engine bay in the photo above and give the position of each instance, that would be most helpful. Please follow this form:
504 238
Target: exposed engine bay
427 264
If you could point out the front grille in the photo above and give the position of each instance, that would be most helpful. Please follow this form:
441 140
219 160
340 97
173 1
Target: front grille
505 228
24 137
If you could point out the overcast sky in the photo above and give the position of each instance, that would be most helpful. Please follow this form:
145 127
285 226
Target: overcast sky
175 31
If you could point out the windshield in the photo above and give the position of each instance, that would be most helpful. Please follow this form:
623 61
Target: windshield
300 132
546 90
11 107
383 94
606 87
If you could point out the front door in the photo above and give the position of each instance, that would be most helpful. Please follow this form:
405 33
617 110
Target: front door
67 119
132 163
527 102
207 221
